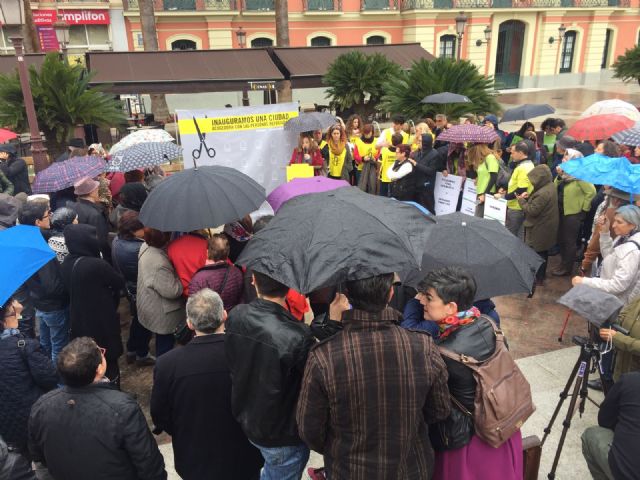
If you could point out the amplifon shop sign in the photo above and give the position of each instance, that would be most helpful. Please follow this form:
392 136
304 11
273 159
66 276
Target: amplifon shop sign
72 17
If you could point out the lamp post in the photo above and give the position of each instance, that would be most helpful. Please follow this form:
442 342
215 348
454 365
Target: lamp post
241 37
38 150
62 35
487 37
461 22
561 31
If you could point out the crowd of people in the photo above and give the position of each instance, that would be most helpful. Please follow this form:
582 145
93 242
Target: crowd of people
250 375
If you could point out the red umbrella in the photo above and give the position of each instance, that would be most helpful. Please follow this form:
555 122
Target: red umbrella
6 135
599 127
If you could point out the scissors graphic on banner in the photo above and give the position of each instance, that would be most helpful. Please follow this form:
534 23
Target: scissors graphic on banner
210 151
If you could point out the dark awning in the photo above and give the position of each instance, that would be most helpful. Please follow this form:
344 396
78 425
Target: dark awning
9 63
306 66
183 71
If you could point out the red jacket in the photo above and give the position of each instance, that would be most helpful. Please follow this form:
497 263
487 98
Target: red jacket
316 160
188 254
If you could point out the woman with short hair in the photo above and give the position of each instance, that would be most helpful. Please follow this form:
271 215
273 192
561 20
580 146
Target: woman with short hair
447 297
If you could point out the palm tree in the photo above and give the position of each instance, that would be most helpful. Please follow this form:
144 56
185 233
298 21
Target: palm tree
627 66
282 40
62 98
31 41
358 81
405 92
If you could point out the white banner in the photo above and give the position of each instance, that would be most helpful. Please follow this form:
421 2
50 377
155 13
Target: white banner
469 198
495 208
249 139
446 193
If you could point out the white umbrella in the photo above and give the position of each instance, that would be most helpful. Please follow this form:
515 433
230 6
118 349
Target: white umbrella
142 136
615 106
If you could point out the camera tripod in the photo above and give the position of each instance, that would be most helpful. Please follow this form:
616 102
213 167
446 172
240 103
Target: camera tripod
588 362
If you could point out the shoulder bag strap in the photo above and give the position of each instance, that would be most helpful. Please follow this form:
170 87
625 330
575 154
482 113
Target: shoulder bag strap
73 269
224 280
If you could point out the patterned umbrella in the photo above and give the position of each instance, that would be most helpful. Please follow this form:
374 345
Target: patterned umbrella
599 127
469 133
629 137
308 122
61 175
615 106
143 155
142 136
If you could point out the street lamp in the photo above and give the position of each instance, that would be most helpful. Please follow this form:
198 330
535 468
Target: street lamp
461 22
38 150
561 31
241 37
487 37
11 12
62 35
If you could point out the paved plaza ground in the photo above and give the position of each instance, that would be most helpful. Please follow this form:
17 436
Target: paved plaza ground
532 325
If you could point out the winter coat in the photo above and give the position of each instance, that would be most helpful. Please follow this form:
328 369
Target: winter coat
577 195
26 372
192 379
124 254
90 213
17 172
429 161
93 432
5 184
14 466
159 299
628 346
46 288
620 273
94 290
212 276
541 215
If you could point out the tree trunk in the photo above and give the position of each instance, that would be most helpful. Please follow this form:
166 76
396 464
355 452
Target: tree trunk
31 41
282 40
159 106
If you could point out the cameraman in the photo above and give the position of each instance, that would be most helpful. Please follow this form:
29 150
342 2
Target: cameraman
611 448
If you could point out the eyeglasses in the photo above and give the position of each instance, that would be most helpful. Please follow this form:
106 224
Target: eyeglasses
103 351
47 214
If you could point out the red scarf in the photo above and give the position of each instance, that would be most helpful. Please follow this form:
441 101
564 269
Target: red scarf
450 324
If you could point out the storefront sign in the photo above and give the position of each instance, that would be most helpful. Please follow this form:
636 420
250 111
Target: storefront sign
48 39
72 17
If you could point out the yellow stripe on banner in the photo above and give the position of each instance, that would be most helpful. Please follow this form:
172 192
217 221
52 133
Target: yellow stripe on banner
235 122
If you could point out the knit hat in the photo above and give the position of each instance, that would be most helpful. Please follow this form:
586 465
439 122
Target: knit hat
85 186
77 143
492 119
8 148
9 209
630 214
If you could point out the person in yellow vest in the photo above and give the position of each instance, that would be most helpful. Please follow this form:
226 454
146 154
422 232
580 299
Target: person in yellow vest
354 127
387 159
519 183
482 162
318 137
365 150
397 122
340 158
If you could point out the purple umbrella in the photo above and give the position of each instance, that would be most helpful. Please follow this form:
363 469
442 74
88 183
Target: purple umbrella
61 175
302 186
469 133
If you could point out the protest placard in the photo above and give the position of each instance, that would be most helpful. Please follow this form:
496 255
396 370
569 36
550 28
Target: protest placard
446 193
495 208
299 170
468 206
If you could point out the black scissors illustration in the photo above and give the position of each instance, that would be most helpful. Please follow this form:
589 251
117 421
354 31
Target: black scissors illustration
210 151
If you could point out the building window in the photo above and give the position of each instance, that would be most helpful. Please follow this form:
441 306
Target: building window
139 40
376 40
89 37
320 42
568 48
183 44
6 47
607 49
261 42
448 46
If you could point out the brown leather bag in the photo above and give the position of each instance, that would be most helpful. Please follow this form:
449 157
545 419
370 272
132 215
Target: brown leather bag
503 396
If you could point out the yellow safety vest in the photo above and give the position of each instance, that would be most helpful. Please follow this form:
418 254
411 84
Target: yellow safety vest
387 157
336 162
365 150
388 133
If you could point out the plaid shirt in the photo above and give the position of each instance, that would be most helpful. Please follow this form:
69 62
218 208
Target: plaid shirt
367 395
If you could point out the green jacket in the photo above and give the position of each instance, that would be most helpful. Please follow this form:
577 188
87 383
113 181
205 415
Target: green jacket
628 346
577 195
5 185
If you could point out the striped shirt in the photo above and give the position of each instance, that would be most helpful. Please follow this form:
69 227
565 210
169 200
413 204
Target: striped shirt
367 396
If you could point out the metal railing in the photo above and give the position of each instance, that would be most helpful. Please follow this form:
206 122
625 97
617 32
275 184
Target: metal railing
463 4
222 5
131 5
322 5
259 5
179 5
373 5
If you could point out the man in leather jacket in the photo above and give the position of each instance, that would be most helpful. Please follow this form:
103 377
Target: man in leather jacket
266 349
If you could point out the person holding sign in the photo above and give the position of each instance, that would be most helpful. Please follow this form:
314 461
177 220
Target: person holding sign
401 174
484 163
365 150
308 152
387 159
519 183
340 158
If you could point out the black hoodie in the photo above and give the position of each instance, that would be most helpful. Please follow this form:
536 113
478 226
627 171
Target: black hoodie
94 288
428 162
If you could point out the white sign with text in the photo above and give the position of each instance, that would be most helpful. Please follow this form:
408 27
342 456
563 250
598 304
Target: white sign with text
468 206
495 208
446 193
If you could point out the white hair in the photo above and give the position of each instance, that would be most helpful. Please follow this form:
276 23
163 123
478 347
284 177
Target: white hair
205 311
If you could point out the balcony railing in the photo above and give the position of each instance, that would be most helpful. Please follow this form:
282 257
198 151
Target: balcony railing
259 5
462 4
131 5
373 5
179 5
220 5
322 5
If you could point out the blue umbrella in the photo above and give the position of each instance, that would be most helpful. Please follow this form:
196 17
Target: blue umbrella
23 252
602 170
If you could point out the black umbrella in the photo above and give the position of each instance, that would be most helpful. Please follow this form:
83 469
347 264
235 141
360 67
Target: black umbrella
445 97
201 197
527 111
143 155
308 122
324 239
499 261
